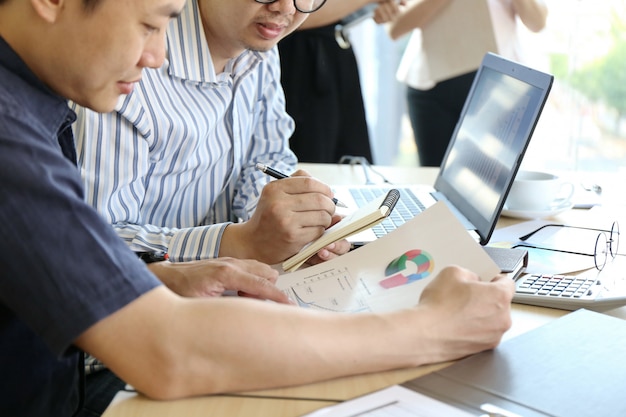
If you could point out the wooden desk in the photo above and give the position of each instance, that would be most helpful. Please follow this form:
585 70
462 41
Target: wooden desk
212 406
295 401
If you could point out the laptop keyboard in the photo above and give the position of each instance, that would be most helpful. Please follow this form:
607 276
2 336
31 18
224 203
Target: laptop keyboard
406 208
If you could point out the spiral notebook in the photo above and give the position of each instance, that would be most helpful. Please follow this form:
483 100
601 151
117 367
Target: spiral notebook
367 216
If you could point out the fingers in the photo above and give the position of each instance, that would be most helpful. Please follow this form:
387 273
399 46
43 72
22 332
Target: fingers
471 315
308 193
506 283
301 173
467 287
294 211
213 277
251 278
331 251
501 277
336 219
386 11
263 289
458 273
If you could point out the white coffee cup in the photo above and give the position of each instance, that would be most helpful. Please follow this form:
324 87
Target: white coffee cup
538 191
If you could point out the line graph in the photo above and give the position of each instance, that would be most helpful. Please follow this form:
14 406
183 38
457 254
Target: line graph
331 290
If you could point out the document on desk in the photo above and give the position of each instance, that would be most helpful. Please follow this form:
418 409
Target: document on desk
390 272
395 401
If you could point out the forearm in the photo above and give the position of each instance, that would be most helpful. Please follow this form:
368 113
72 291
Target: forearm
417 15
302 346
533 13
268 347
170 347
333 11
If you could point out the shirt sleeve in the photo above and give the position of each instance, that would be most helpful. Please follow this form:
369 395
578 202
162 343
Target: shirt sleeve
64 269
269 144
115 186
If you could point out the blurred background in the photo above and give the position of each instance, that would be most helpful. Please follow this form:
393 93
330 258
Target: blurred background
583 126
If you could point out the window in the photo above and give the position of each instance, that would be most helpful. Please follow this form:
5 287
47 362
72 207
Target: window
583 126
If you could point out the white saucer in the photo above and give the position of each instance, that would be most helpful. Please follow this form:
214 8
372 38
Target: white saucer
538 214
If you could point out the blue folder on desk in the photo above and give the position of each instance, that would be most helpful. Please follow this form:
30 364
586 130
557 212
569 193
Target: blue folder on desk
574 366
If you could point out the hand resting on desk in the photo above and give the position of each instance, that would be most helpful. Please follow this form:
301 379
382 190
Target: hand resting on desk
214 277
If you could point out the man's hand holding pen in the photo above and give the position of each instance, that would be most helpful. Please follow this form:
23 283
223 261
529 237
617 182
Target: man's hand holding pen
279 176
291 213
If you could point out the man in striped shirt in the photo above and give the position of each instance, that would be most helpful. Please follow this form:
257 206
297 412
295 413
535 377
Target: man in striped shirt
172 169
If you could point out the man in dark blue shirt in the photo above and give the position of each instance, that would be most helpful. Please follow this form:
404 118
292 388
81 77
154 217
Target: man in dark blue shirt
69 284
43 257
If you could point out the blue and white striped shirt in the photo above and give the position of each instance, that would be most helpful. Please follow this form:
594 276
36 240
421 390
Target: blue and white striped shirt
174 164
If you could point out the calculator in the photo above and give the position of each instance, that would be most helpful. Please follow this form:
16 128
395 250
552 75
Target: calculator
568 292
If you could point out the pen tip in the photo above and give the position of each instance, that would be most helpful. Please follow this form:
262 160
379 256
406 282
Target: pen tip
340 204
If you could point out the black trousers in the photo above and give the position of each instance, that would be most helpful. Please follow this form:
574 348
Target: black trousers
323 95
434 114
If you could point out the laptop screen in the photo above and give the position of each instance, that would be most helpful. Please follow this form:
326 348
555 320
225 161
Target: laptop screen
490 139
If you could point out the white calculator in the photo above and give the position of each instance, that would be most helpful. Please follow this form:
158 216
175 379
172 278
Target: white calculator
569 292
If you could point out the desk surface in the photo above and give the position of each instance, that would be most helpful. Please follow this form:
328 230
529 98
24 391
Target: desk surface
295 401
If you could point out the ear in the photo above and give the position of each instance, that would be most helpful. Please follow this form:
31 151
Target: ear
48 10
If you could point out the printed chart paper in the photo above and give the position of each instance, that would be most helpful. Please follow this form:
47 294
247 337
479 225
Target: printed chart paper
390 272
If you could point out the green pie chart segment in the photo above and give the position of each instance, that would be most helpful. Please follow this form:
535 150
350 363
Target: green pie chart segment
411 266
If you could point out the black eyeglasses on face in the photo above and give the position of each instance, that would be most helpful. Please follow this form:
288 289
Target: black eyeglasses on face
303 6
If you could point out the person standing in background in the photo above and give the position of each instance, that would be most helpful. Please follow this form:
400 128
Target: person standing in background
434 106
322 87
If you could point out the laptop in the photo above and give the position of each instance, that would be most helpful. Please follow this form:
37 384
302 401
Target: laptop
484 154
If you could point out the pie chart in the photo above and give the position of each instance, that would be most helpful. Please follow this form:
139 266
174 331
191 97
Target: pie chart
411 266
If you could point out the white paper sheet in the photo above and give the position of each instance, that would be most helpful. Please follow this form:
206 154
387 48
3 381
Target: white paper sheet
391 272
395 401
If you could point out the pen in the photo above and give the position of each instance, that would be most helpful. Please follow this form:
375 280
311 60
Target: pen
279 176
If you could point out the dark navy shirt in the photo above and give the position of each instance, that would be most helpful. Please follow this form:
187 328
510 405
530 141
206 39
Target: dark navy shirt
62 268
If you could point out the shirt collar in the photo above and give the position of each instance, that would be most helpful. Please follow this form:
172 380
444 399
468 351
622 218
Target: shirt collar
35 96
188 51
